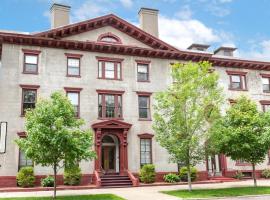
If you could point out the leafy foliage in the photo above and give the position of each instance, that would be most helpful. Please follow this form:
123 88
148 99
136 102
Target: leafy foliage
243 133
147 173
54 136
72 176
47 182
183 173
171 178
186 110
266 173
25 177
239 175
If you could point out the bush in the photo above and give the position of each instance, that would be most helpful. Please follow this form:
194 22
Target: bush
25 177
72 176
171 178
266 173
184 175
148 174
47 182
238 175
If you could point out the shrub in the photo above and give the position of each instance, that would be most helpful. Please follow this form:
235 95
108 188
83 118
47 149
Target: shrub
25 177
184 175
266 173
171 178
72 176
148 174
47 182
238 175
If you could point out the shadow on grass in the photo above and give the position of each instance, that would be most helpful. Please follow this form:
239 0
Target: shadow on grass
224 192
81 197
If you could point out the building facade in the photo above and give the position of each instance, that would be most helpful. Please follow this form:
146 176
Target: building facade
110 70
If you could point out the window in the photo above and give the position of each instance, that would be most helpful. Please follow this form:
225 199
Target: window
237 80
109 38
73 65
23 160
30 65
265 105
266 84
110 105
73 95
109 70
29 97
142 72
145 151
144 105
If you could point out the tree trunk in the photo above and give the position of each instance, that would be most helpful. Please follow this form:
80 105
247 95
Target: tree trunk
254 175
189 178
54 188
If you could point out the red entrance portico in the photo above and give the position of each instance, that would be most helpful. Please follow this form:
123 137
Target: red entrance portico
118 129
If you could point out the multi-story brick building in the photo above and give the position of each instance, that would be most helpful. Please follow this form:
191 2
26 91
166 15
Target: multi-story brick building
110 70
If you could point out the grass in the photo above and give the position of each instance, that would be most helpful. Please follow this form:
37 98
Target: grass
224 192
81 197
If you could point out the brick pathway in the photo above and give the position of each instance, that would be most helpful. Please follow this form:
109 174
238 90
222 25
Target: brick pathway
148 193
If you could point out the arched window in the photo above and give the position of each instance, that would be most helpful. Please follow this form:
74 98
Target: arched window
109 38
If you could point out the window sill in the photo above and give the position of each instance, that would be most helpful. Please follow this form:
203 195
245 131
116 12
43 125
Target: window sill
238 89
33 73
148 81
144 119
112 79
74 76
266 91
106 118
22 115
243 164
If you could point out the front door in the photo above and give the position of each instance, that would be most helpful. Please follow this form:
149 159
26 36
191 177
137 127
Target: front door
108 159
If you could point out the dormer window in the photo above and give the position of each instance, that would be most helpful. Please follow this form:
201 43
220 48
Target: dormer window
109 38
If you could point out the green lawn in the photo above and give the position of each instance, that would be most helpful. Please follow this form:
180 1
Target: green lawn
226 192
83 197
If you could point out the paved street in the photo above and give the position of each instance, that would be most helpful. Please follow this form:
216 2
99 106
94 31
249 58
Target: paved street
147 193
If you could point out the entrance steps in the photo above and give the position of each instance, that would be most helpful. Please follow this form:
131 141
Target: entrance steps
223 178
114 180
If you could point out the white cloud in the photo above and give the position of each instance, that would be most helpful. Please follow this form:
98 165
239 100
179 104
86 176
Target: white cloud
261 51
182 33
88 10
184 13
127 3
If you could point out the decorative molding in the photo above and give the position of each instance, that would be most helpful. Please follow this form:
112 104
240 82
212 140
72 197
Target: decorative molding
99 58
110 91
143 61
30 51
265 75
73 55
229 72
72 89
145 136
29 86
22 134
141 93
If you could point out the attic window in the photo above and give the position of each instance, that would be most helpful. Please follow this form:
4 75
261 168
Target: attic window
109 38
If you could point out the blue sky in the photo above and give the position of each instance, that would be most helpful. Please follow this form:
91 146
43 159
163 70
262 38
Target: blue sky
240 23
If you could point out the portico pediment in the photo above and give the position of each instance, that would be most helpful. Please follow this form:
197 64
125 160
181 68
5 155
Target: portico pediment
111 124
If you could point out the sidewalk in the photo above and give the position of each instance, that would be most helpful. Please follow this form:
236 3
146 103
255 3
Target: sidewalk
138 193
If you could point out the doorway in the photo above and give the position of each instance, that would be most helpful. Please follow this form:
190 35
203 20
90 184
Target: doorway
110 154
214 166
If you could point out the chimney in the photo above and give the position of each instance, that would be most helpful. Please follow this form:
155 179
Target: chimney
225 51
198 47
149 20
59 15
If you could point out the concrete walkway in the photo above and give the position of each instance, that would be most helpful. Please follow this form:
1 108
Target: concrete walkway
141 193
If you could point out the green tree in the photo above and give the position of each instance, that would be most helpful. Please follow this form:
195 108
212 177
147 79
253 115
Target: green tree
54 137
243 133
185 112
